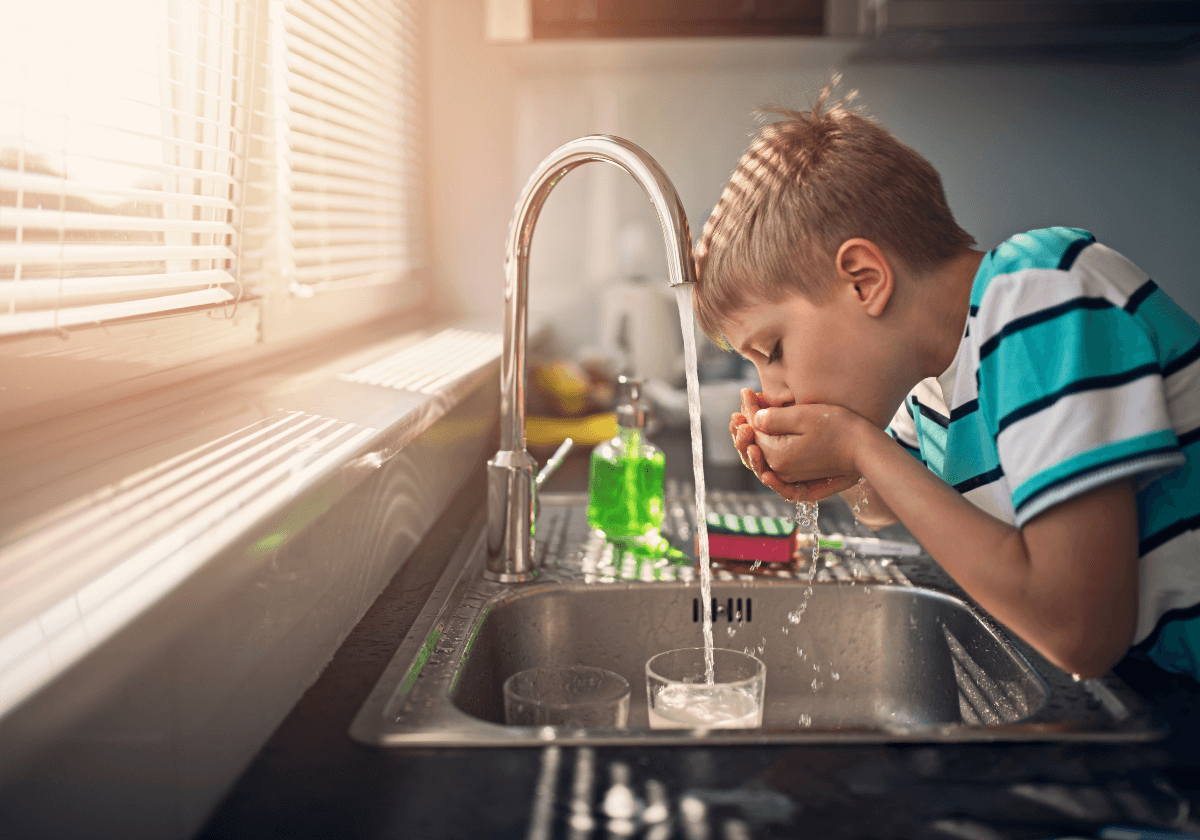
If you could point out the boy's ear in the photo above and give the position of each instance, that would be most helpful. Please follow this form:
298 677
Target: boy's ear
866 272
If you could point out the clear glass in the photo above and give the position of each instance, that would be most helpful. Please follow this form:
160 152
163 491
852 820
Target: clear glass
572 695
625 480
679 697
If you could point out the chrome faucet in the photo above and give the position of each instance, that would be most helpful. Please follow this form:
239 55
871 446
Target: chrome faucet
512 483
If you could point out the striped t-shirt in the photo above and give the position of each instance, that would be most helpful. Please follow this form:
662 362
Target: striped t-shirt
1076 370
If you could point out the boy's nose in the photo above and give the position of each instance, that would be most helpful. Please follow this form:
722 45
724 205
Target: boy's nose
776 391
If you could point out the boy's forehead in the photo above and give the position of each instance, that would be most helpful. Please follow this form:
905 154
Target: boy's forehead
745 323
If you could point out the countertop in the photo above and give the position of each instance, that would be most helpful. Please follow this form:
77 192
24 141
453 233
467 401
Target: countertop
312 781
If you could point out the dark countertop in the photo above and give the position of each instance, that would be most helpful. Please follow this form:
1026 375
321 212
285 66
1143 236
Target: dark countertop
311 781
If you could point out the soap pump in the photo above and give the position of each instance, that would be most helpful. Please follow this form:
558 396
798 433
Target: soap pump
625 477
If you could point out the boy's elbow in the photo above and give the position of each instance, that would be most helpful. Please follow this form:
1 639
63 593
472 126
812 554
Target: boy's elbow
1089 652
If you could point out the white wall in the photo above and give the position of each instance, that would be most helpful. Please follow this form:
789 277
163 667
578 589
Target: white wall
1108 147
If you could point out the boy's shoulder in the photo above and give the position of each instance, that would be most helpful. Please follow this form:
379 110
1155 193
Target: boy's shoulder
1053 249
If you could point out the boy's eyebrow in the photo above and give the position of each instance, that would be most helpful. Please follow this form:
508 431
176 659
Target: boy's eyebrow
750 339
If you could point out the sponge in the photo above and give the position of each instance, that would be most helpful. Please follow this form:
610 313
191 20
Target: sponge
767 539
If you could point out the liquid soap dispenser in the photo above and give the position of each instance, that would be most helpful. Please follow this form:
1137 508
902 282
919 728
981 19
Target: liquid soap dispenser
625 478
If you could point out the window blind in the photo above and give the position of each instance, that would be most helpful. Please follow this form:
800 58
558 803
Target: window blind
348 98
121 158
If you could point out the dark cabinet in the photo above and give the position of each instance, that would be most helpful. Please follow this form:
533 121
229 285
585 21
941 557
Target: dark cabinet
674 18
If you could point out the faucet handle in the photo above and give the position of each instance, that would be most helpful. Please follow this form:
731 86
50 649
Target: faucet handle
554 461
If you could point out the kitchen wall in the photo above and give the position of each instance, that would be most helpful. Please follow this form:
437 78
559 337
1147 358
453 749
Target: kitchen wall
1111 147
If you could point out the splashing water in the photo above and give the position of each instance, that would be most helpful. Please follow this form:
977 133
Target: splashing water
683 297
806 517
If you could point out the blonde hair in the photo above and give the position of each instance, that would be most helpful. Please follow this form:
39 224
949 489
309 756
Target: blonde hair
808 183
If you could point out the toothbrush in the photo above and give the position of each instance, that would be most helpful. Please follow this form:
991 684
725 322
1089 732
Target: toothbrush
865 545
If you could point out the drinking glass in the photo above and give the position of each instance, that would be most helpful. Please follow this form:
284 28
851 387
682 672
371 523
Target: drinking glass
570 695
680 697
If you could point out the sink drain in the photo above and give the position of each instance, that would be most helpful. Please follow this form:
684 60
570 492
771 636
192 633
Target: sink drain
731 608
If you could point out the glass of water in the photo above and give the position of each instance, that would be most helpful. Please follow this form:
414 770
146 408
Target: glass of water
571 695
679 696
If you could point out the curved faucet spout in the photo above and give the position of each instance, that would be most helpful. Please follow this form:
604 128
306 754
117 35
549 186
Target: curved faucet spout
511 472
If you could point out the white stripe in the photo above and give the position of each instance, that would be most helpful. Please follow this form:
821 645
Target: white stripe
995 498
1169 579
1183 398
1021 293
904 427
1080 422
1101 270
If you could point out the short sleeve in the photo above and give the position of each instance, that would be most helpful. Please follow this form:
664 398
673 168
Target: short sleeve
1070 383
903 429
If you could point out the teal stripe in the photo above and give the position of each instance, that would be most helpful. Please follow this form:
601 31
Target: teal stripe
1035 249
1177 647
933 444
1092 460
1047 357
916 453
1173 498
1173 331
973 448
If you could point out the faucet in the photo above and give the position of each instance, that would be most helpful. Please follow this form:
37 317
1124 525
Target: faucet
512 484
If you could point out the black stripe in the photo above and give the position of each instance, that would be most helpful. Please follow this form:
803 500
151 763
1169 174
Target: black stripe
1068 257
1180 362
1041 316
1188 438
929 413
1181 614
973 310
908 407
1094 383
1139 297
1167 534
979 480
1107 465
964 409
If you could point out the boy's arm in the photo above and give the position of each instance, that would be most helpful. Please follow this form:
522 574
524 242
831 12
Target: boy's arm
1066 583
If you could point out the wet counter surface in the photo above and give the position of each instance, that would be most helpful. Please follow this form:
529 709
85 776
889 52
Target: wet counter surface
312 781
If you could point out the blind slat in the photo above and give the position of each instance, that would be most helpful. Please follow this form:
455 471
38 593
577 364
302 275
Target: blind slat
26 322
24 217
72 253
23 292
36 182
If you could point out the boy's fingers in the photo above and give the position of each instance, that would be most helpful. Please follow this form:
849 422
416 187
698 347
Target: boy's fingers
774 421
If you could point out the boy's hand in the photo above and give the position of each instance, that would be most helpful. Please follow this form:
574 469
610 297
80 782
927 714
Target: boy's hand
809 451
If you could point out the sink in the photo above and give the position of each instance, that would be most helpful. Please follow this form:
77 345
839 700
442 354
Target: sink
885 651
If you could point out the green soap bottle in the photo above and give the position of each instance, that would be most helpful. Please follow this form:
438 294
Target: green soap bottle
625 478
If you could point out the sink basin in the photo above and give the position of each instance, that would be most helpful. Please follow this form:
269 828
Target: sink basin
872 658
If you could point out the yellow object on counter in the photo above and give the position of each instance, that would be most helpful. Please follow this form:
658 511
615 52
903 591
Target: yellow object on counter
565 384
585 431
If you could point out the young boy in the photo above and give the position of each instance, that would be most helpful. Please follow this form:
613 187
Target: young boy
1046 445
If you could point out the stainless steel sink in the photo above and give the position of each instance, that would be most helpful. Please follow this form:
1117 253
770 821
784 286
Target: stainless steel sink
873 658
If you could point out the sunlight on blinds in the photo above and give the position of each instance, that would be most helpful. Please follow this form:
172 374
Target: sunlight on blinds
348 87
120 159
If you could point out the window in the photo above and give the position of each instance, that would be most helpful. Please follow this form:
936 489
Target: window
187 173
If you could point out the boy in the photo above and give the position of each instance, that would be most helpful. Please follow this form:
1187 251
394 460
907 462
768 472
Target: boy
1046 445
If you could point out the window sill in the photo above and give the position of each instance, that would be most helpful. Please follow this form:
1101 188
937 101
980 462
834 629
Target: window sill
103 514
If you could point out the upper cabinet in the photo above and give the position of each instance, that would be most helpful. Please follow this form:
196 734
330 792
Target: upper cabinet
674 18
882 27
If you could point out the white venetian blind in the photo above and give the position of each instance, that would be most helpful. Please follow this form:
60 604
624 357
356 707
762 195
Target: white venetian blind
121 158
348 85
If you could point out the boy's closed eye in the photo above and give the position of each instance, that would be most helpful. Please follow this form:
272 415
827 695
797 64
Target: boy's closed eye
776 352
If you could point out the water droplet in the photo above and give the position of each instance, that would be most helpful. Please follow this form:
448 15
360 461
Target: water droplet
835 675
817 685
806 721
730 630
